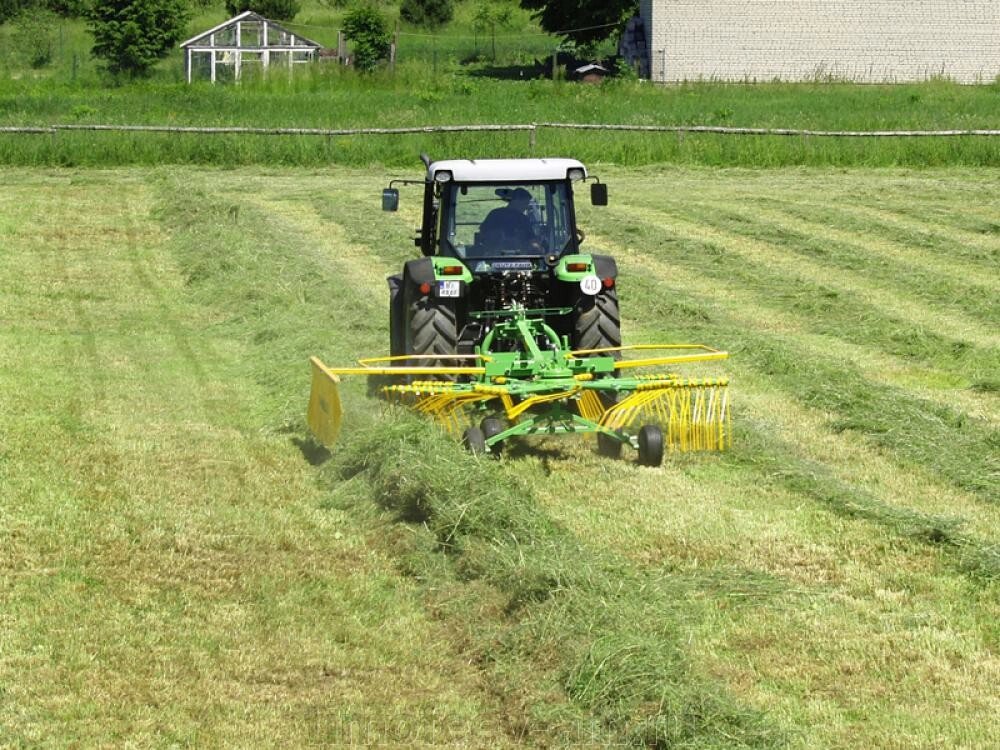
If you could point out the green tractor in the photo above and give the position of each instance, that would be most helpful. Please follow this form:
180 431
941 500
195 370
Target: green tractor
497 235
505 330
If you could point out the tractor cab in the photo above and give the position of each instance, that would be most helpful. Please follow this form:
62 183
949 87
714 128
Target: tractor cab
491 209
499 235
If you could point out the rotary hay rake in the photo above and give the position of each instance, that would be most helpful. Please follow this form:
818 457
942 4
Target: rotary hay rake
523 381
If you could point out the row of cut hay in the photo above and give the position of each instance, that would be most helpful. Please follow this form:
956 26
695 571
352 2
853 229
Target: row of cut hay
847 303
960 246
603 640
879 269
925 433
914 430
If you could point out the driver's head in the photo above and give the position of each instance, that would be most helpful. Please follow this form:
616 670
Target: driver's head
519 199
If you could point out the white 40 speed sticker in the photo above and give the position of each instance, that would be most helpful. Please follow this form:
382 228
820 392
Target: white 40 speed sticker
590 285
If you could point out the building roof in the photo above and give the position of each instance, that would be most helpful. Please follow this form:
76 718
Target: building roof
505 170
249 15
590 68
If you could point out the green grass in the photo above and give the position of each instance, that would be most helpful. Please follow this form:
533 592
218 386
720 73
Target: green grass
441 80
179 571
339 99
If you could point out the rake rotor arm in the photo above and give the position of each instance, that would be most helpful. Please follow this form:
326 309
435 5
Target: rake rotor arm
705 354
366 366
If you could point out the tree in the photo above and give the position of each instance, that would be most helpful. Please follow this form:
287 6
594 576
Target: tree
68 8
131 35
490 18
369 31
582 21
10 8
429 13
35 35
279 10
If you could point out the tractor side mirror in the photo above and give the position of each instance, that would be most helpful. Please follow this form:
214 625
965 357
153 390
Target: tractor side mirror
599 194
390 199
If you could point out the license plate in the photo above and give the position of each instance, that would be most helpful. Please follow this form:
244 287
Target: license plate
448 288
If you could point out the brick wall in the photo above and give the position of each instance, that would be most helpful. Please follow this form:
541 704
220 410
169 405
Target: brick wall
871 41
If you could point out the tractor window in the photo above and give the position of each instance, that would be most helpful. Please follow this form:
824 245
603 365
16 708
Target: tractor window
484 221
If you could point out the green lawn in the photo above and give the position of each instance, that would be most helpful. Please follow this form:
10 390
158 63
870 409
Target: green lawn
181 567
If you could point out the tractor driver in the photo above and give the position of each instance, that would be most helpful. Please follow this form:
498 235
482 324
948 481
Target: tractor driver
508 227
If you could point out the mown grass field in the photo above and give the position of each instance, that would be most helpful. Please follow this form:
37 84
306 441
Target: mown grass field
181 565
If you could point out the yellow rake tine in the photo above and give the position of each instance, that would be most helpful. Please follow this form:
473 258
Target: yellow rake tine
520 408
694 413
590 406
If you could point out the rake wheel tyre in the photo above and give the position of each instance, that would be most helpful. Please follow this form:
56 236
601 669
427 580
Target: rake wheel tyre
474 441
596 322
650 445
491 426
608 446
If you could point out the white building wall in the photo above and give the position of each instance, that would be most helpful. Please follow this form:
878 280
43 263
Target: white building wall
873 41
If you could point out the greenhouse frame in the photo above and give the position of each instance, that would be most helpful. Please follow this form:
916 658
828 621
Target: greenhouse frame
247 44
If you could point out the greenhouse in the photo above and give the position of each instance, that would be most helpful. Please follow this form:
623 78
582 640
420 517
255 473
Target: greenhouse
245 45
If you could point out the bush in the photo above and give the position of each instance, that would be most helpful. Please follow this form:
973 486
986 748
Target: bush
368 30
131 35
10 8
428 13
278 10
34 35
68 8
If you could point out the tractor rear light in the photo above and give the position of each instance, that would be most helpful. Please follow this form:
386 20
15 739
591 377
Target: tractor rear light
425 288
577 267
608 282
452 270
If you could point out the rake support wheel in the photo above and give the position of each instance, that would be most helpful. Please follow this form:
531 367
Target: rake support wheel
474 440
491 426
650 445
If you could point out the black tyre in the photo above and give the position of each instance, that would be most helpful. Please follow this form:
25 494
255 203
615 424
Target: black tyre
608 446
431 329
650 445
596 322
397 317
491 427
474 441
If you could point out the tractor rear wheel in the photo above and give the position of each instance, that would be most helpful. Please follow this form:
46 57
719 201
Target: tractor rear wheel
650 445
397 336
596 322
431 329
397 317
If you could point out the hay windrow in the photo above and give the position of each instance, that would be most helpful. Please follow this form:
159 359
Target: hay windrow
611 636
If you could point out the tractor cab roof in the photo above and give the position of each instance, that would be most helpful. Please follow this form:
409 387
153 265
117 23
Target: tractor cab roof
505 170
